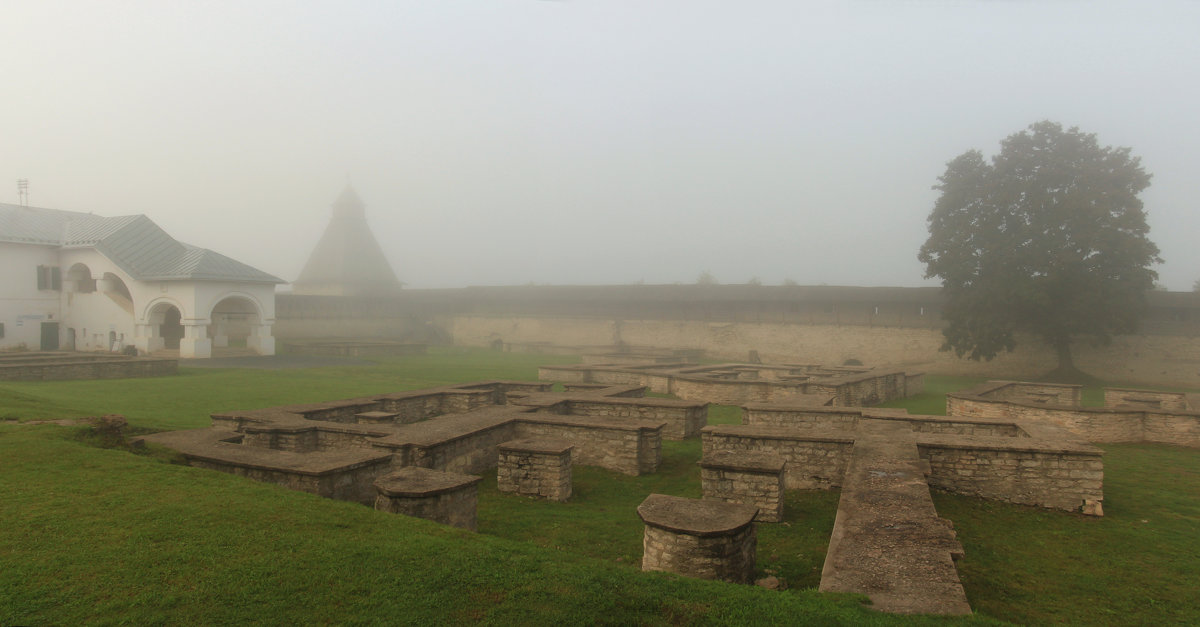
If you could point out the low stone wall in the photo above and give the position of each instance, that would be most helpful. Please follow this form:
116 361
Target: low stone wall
814 460
467 443
538 468
1168 428
736 391
749 478
1066 477
343 484
628 447
735 384
1041 393
1146 399
68 366
350 348
444 497
847 419
1122 423
703 539
683 419
343 475
801 417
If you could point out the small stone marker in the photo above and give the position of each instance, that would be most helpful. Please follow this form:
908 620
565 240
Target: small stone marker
445 497
702 539
375 417
748 477
535 467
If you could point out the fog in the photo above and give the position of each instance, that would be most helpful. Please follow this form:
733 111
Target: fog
583 141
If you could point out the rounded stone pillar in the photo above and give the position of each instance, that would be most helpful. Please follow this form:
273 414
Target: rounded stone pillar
702 539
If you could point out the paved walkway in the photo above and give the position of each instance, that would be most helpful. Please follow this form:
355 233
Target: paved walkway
888 541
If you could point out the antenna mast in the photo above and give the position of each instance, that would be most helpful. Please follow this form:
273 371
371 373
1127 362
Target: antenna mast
23 192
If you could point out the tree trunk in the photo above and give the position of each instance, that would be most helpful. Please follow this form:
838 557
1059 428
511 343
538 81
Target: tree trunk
1065 361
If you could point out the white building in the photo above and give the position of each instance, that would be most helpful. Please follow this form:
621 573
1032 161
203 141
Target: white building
77 281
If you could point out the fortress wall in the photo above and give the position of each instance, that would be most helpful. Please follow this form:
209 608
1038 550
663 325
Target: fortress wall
892 327
1151 359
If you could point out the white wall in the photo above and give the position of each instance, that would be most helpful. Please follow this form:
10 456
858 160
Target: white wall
22 306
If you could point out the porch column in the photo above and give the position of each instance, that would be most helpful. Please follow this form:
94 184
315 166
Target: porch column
146 338
260 339
220 337
195 343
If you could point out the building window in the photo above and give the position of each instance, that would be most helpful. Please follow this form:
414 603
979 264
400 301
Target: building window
49 278
1 329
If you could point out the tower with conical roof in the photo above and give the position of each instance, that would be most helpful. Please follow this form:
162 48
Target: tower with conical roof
347 261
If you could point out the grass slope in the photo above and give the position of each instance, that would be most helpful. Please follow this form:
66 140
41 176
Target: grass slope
93 535
100 535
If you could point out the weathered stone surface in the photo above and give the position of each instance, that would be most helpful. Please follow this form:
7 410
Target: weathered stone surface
533 467
888 541
751 478
703 539
746 383
1128 415
445 497
59 366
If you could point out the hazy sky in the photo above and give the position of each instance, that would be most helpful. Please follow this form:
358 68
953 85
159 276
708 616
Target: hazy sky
583 141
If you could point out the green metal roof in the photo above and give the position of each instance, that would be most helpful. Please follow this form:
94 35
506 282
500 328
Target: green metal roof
135 243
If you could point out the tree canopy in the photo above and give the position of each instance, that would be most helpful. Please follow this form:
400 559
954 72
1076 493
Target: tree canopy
1049 238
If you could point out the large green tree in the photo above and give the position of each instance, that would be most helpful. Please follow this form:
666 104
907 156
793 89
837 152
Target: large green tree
1049 238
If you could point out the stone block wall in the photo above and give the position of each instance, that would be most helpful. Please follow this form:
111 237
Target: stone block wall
451 501
914 383
634 449
86 367
352 483
703 539
538 468
1168 428
683 420
729 559
750 478
1059 479
336 411
801 418
1093 424
1146 399
1042 393
813 462
976 407
410 409
968 427
470 453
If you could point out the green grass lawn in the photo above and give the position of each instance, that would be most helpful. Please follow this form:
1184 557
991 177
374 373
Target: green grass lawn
97 535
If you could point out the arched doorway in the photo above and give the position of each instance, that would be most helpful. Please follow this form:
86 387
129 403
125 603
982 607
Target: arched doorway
171 329
237 323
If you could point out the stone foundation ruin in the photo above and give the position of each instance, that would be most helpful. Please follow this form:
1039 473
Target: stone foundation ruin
703 539
1127 415
59 366
1014 442
735 384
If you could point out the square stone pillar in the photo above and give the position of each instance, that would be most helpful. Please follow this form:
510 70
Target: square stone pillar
748 477
535 467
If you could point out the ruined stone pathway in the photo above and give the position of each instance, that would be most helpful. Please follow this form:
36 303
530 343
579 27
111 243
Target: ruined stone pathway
888 541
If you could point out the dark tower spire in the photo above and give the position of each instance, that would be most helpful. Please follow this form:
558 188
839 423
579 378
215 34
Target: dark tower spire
347 261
